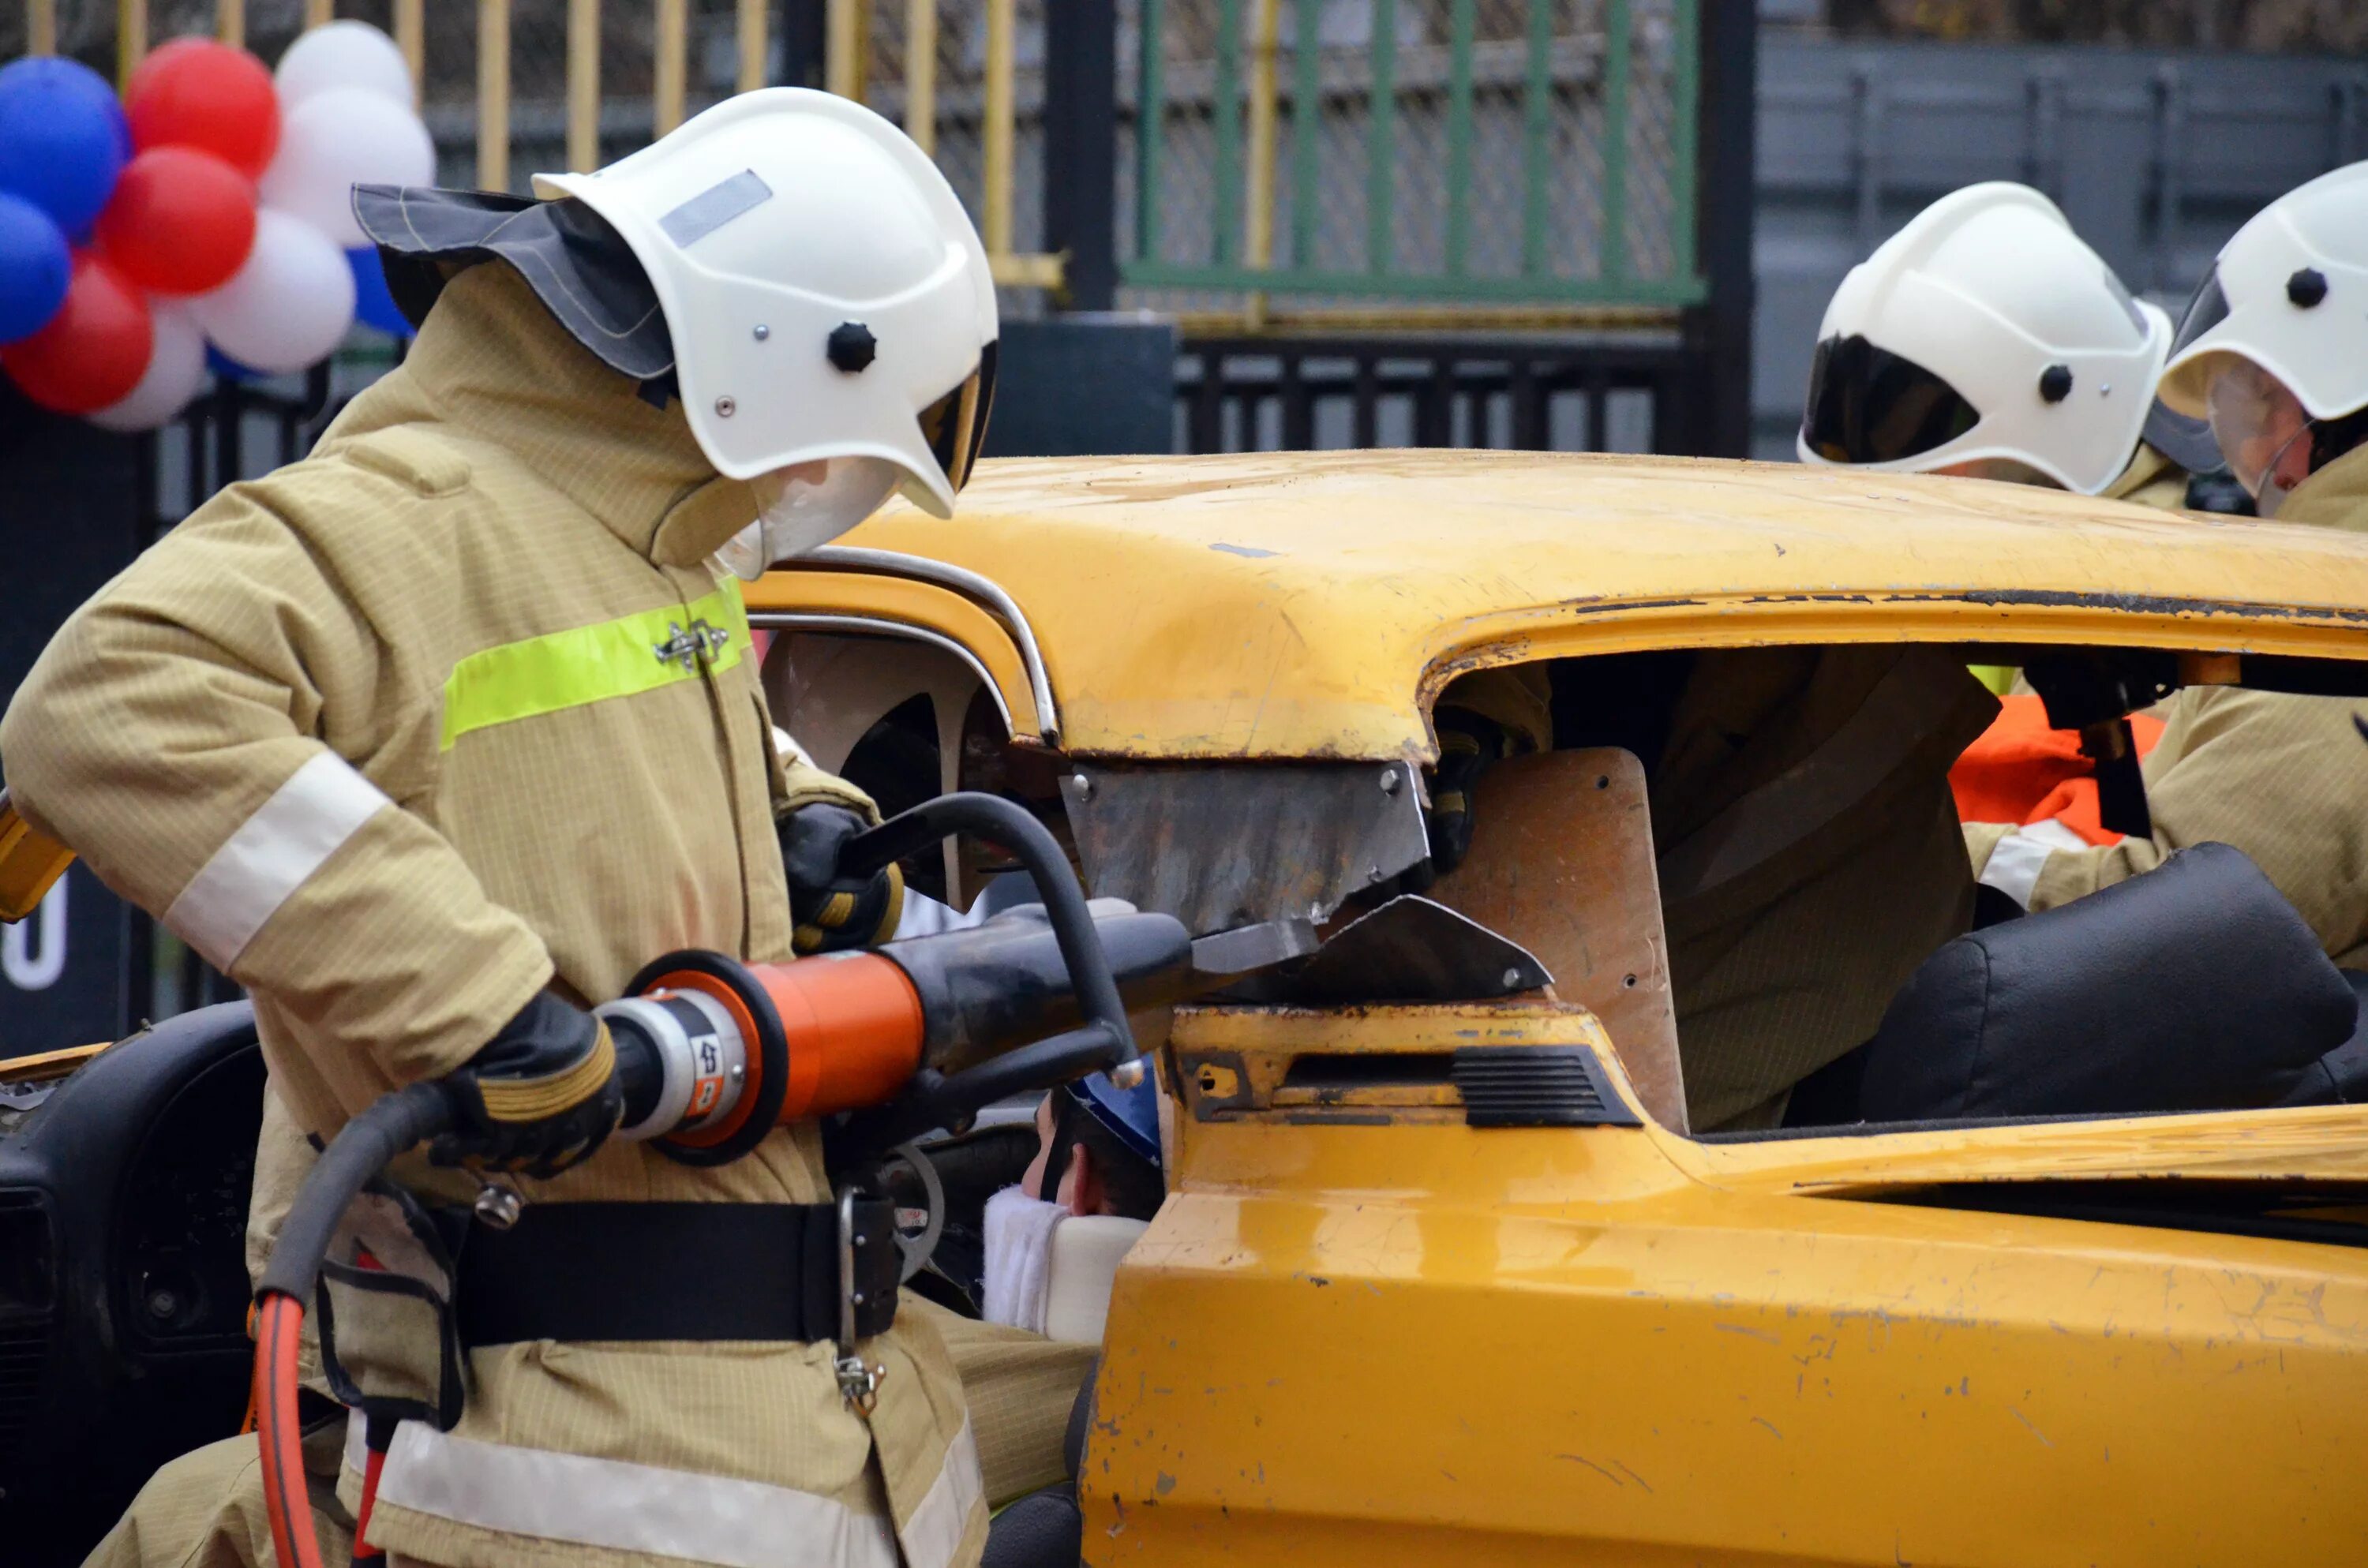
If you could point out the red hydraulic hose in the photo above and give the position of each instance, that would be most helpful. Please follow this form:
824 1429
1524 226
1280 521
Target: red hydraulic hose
286 1501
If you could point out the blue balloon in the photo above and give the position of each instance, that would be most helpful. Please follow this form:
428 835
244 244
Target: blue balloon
373 305
229 370
62 138
35 269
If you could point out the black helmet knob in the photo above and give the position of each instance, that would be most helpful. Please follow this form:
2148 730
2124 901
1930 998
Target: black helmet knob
852 347
2307 287
2056 383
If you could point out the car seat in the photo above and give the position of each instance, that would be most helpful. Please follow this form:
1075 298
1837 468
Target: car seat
2196 986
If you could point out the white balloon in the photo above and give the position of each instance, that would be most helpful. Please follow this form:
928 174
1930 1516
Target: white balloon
342 54
176 367
334 140
290 306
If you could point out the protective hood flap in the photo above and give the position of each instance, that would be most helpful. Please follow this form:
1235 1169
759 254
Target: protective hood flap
577 265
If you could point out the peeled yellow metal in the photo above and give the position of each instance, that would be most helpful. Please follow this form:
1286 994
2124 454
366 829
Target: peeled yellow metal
30 863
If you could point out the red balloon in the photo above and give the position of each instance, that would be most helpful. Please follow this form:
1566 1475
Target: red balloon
95 349
194 92
180 221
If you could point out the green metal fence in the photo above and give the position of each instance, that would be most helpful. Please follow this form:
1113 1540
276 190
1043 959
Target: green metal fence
1498 151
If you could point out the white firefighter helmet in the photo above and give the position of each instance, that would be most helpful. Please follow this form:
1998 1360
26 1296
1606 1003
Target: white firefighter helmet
1986 334
833 319
2276 339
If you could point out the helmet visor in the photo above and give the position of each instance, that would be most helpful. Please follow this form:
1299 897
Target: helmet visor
1870 406
2207 309
804 507
2261 428
955 426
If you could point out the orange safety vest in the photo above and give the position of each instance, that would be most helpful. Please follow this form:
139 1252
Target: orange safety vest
2020 771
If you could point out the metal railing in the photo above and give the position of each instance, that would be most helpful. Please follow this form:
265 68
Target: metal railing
1481 151
663 77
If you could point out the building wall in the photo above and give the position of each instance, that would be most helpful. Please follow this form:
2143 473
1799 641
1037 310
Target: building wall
2156 158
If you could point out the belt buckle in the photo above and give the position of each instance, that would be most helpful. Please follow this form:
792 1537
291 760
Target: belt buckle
859 1381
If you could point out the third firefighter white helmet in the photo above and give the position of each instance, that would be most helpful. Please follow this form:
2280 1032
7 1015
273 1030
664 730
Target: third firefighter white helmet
2276 339
1984 332
833 319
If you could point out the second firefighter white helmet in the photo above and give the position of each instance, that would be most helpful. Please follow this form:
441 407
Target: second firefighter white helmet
2275 342
1984 332
833 318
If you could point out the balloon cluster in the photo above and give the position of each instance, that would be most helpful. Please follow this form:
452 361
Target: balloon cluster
206 221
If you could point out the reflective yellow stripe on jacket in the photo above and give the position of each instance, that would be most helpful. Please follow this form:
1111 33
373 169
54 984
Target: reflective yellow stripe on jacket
590 664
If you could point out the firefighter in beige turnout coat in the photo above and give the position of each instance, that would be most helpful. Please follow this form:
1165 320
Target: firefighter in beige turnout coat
455 719
2272 353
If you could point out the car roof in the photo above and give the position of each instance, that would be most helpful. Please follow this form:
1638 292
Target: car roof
1310 603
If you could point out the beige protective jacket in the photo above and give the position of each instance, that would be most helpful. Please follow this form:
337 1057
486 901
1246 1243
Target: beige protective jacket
452 710
1809 857
2151 480
2279 776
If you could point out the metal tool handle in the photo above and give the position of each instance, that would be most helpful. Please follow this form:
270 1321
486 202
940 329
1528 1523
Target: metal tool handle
993 817
1104 1041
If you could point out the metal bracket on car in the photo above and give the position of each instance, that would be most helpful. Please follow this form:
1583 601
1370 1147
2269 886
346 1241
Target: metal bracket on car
1221 843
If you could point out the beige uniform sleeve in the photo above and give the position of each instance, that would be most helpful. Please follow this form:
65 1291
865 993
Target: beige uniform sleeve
2278 777
207 732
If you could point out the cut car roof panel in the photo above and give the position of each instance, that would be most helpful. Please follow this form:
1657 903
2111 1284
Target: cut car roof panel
1299 604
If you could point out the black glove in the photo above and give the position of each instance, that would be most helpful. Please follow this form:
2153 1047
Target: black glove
835 913
541 1097
1469 746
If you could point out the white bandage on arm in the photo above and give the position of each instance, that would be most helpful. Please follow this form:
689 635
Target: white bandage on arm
2014 866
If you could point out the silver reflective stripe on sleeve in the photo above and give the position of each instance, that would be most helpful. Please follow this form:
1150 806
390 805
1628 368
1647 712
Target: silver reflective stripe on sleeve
630 1507
934 1533
2014 866
270 856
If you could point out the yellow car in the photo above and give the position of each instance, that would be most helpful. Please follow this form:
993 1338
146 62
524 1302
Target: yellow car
1365 1327
1479 1244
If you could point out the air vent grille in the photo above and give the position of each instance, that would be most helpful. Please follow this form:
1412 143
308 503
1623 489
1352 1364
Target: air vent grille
1537 1085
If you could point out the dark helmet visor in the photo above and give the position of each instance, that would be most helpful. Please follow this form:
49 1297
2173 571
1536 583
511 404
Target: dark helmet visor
955 426
2207 309
1870 406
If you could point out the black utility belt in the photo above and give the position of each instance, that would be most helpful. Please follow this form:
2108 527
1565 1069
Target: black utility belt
813 1272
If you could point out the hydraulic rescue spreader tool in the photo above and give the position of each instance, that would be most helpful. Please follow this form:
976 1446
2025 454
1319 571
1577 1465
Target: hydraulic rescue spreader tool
714 1053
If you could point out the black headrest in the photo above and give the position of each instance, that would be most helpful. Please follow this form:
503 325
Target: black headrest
2194 986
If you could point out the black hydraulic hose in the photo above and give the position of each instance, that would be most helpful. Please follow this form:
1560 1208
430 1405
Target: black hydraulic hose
362 1148
992 817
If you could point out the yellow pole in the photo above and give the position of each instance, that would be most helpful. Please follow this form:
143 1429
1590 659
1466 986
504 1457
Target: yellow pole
921 74
1259 242
999 63
131 37
842 47
40 27
230 22
494 95
319 12
583 85
751 45
410 36
673 25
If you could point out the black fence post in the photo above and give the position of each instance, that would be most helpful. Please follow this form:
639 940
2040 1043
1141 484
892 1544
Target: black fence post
1718 331
1081 148
804 43
71 516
